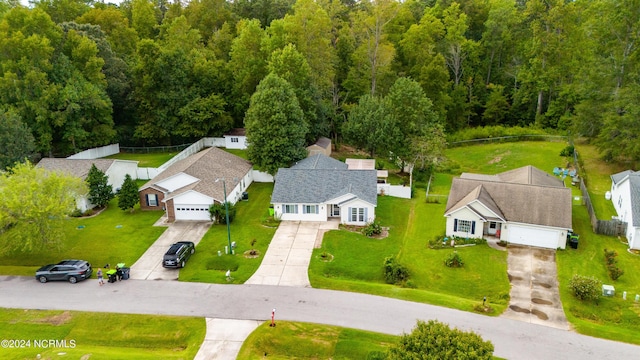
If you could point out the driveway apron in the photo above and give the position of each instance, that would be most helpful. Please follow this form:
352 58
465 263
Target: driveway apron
286 262
534 287
149 265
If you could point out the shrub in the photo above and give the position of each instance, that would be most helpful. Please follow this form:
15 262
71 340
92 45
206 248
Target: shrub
615 272
372 228
218 213
394 272
585 288
568 151
454 260
610 259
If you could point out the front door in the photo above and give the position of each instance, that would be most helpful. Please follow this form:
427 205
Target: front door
335 210
493 227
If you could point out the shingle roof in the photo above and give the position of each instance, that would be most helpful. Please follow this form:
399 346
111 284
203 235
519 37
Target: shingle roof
75 167
523 195
320 161
323 142
634 191
236 132
207 166
314 186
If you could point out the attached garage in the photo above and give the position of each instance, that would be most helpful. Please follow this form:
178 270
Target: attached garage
192 212
532 236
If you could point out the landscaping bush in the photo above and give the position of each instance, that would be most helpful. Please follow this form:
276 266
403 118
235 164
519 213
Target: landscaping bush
218 214
372 228
612 264
394 272
488 132
568 151
454 260
585 288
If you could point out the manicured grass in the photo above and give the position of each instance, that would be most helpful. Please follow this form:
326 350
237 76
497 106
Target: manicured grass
112 236
498 157
610 318
207 266
293 340
145 160
242 153
101 335
412 224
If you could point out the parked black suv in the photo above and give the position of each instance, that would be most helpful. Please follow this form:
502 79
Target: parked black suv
68 270
178 254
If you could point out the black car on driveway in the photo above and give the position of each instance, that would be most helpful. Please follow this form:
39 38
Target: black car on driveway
178 254
67 270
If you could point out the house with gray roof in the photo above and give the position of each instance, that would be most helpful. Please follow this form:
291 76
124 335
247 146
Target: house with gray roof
320 188
116 170
625 195
523 206
186 189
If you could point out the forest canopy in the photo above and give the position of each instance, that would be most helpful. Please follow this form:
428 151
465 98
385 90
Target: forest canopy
79 73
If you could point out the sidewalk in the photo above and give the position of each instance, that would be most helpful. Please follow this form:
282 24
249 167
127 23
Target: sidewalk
224 338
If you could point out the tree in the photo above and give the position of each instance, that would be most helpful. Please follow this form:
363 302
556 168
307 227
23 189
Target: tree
34 203
436 340
100 192
366 126
218 212
16 141
275 126
128 195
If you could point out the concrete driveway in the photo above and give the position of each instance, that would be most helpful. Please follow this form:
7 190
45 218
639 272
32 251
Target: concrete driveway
534 287
149 266
286 262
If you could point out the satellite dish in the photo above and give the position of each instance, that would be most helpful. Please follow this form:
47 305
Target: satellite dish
607 195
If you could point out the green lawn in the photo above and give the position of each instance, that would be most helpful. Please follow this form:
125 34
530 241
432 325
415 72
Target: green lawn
153 160
207 266
113 236
242 153
412 224
101 335
610 318
293 340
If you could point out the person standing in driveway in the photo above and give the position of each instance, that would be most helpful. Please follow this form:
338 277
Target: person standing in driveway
100 279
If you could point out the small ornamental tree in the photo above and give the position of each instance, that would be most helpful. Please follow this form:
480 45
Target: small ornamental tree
128 194
100 192
585 288
394 272
435 340
218 213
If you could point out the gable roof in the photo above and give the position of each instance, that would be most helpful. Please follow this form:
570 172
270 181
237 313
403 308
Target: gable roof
323 142
75 167
207 166
634 190
320 161
526 195
314 186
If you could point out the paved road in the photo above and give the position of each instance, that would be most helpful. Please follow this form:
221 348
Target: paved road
512 339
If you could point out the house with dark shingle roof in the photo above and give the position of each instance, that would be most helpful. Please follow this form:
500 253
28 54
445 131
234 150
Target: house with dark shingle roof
186 189
625 195
116 170
524 206
320 188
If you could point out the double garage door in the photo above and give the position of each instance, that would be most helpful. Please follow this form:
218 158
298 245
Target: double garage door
192 212
533 236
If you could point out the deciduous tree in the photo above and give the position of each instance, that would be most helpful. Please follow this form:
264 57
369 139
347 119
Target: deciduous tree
16 141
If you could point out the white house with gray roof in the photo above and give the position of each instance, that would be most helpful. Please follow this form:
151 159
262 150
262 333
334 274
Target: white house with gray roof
625 195
525 206
320 188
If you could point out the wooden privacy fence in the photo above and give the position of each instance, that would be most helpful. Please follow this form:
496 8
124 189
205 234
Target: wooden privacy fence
613 227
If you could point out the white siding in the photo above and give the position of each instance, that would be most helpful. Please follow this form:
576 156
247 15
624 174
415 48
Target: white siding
240 144
345 214
301 216
118 170
621 199
464 214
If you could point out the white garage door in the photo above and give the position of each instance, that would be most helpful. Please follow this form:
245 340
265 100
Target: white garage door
192 212
533 237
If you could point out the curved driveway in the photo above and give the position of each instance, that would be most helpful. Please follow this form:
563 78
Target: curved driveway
512 339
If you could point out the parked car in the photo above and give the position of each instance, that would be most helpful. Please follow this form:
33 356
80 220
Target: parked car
178 254
67 270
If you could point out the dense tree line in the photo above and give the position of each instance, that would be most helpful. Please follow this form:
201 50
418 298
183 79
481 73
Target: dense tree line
78 73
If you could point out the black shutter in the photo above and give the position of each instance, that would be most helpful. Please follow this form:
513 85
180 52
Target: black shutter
146 196
455 224
473 227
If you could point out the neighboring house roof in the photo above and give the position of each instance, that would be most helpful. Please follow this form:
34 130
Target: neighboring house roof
314 186
207 166
236 132
320 161
634 191
75 167
366 164
526 195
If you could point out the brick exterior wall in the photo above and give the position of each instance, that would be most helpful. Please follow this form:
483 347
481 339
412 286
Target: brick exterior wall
171 211
143 199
